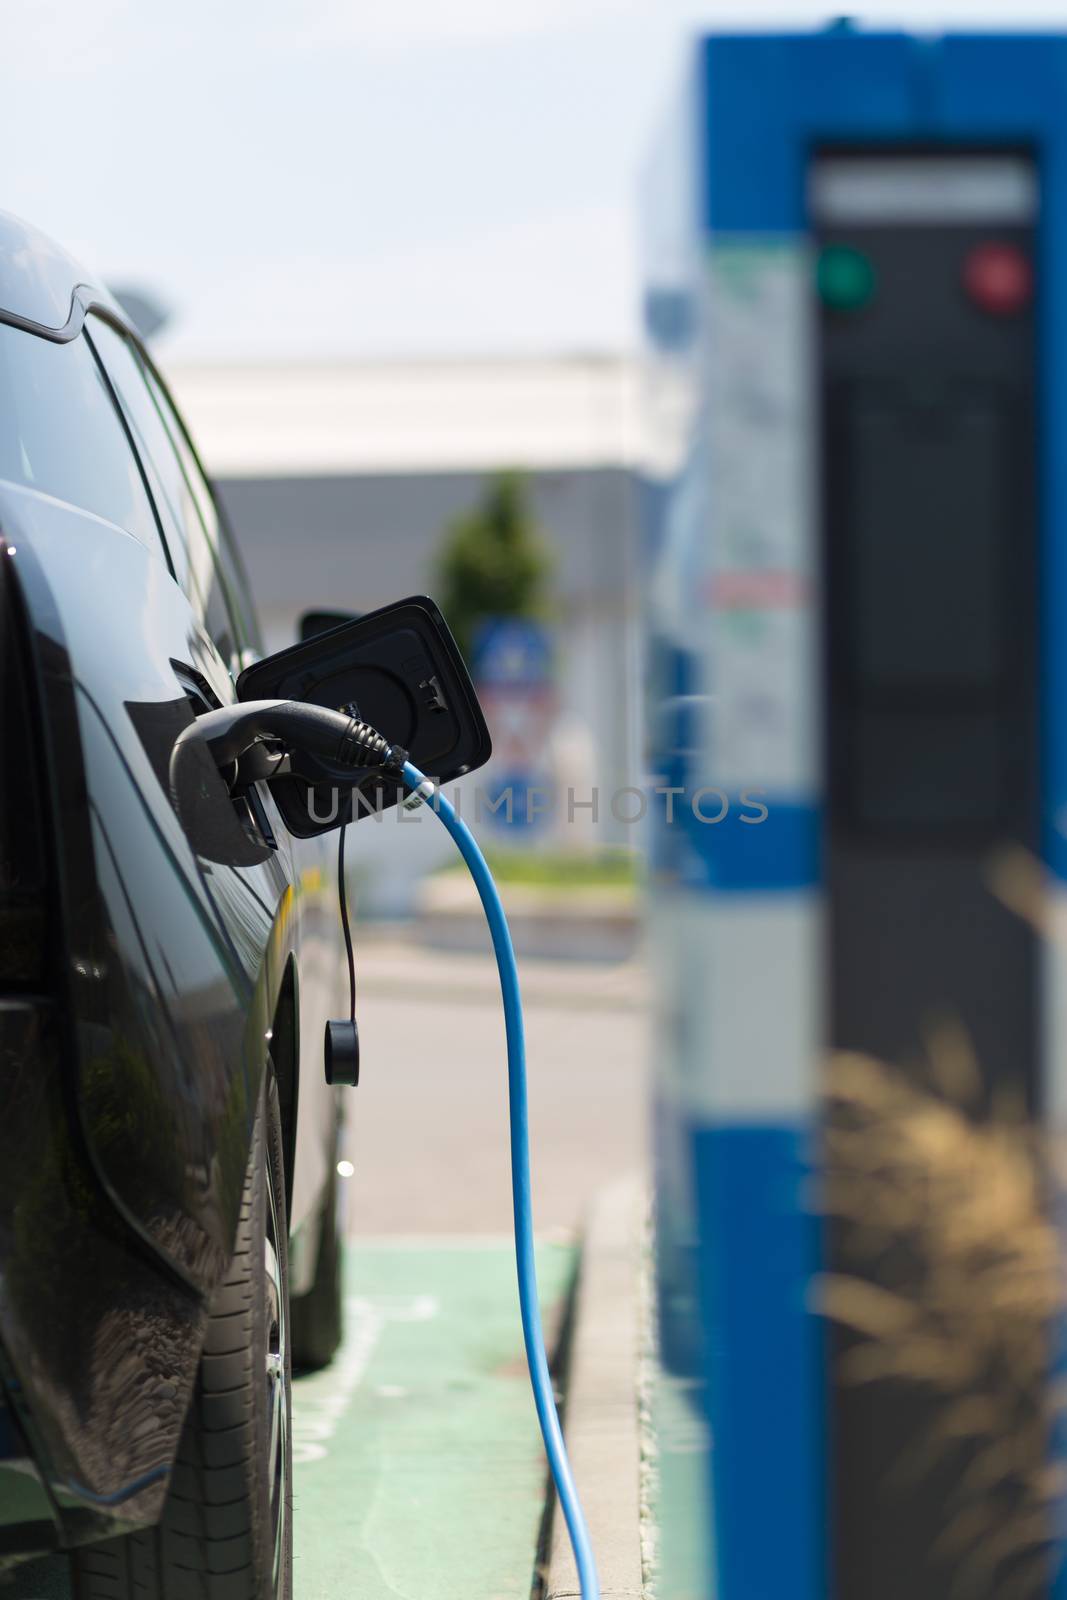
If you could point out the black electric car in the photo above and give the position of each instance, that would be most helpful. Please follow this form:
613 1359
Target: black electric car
168 1143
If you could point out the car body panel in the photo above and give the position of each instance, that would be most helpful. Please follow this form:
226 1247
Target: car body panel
101 1350
129 1089
166 947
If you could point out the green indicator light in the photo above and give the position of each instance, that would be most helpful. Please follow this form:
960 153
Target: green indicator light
845 278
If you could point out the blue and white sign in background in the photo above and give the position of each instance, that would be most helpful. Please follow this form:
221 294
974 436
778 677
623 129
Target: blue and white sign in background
513 669
513 653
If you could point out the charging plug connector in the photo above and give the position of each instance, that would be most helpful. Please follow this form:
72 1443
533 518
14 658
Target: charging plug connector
343 742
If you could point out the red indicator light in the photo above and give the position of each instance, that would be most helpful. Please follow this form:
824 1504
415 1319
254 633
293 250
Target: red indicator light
998 278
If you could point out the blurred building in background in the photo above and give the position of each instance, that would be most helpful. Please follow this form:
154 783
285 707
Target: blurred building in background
341 480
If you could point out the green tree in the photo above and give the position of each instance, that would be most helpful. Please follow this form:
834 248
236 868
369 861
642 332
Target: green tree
493 561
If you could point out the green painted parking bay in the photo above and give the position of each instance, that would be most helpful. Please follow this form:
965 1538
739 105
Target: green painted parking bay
417 1464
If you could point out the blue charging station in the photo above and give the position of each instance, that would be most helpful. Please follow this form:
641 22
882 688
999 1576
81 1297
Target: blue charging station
856 312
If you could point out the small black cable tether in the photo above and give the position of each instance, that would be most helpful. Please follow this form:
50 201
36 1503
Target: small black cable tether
342 904
341 1043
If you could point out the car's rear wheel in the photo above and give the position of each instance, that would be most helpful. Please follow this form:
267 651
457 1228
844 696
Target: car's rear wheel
317 1319
226 1529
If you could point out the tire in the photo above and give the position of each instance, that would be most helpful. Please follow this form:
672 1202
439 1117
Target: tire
226 1528
317 1318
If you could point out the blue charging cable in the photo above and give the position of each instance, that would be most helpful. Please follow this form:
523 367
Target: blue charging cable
423 791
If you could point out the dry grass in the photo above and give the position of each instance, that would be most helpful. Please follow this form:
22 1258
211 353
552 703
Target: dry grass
951 1283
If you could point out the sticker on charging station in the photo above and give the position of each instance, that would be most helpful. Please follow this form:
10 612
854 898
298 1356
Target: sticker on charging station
758 585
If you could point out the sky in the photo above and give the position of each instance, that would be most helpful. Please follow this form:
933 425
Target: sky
346 178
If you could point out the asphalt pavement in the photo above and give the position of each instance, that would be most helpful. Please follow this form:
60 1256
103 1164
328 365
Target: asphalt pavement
428 1128
418 1465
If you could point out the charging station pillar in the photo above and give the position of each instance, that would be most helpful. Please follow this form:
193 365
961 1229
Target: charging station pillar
857 304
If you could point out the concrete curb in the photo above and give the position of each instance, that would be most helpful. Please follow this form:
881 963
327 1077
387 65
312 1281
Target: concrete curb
590 923
602 1426
394 964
